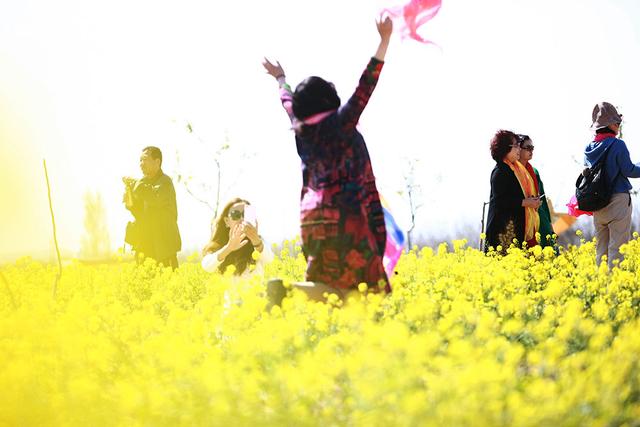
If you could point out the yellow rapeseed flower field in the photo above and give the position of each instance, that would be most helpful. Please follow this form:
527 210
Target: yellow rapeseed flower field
530 338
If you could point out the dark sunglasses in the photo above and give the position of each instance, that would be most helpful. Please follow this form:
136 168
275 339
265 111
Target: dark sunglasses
528 148
236 215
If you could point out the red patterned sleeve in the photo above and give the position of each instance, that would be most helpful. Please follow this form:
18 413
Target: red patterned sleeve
351 111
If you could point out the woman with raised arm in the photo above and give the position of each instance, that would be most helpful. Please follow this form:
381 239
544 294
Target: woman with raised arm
343 230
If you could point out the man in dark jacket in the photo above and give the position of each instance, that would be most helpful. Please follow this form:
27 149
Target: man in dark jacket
613 222
152 201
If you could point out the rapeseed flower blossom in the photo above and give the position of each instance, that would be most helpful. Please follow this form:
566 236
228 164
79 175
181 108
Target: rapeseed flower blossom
528 338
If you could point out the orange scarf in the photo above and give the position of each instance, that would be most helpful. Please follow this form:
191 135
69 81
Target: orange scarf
531 217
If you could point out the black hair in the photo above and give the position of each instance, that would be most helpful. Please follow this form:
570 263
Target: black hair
522 138
605 130
154 152
501 144
314 95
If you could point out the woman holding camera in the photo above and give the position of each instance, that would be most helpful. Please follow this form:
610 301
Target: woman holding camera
234 239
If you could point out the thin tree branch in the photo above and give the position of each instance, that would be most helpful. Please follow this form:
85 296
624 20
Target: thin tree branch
186 187
55 236
215 215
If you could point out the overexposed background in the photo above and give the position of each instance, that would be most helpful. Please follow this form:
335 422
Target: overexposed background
88 84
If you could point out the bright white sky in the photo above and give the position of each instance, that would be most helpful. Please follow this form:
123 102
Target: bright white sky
87 84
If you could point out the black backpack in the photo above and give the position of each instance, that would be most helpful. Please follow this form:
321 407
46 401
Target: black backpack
593 192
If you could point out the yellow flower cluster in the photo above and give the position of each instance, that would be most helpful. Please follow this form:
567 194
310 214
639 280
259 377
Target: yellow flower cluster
529 338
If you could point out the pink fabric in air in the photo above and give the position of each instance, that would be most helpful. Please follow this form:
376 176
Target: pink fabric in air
411 16
317 118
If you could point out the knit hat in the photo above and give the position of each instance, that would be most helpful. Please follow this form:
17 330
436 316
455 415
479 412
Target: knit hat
604 114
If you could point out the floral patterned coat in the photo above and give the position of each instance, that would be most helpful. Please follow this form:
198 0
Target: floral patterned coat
342 221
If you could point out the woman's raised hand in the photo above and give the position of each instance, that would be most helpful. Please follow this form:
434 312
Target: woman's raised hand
385 27
252 234
237 238
274 70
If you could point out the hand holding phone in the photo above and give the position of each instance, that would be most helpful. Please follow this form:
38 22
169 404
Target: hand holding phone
250 215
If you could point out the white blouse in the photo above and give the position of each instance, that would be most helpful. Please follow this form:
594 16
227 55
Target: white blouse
210 262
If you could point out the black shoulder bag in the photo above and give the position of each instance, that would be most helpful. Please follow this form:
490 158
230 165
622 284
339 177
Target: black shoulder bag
593 192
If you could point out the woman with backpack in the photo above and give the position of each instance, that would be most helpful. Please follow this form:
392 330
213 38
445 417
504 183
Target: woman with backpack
613 221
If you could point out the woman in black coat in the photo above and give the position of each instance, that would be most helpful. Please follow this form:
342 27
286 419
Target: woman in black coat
513 204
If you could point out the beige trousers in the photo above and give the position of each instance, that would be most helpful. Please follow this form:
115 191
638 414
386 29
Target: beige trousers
613 227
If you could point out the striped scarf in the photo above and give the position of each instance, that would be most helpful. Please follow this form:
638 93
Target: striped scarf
528 186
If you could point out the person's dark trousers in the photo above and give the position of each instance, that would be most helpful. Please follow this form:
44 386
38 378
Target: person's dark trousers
170 262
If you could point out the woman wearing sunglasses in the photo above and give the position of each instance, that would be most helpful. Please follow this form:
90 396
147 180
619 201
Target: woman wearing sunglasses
234 238
513 206
546 229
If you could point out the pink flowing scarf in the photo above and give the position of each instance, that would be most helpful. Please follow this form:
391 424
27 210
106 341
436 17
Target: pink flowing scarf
411 16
